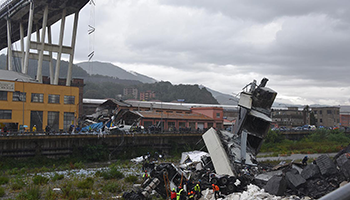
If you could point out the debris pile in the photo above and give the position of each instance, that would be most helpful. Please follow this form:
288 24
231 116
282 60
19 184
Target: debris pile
232 168
315 180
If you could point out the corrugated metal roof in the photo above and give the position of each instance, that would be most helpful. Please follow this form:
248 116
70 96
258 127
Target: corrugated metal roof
159 115
116 102
157 105
94 101
15 76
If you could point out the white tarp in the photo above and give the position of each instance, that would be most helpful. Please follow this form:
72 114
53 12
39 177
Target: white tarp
192 156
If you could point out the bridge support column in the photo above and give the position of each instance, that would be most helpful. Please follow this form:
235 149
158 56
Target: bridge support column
50 54
71 55
9 45
29 32
59 54
21 33
39 77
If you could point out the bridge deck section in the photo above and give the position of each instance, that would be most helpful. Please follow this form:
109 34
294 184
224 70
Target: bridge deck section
18 12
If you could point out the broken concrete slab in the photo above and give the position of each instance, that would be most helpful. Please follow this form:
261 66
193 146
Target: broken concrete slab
342 159
310 171
326 165
277 185
294 180
345 169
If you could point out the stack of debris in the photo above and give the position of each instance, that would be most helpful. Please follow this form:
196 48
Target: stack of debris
315 180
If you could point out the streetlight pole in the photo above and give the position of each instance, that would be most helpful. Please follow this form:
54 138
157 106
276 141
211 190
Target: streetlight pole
21 97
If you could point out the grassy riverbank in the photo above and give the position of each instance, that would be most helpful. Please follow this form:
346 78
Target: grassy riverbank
69 182
320 141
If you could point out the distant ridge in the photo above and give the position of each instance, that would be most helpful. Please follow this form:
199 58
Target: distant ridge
108 69
223 99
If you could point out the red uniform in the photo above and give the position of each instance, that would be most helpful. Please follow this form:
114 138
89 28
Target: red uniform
173 195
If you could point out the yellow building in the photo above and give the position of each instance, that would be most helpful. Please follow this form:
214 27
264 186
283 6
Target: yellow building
25 101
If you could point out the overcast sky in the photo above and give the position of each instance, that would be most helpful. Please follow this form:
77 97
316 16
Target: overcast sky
302 47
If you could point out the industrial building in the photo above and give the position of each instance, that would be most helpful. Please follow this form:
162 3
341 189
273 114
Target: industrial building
24 101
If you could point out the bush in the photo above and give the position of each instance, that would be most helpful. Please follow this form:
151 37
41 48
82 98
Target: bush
4 180
86 184
112 173
31 193
50 194
40 180
274 137
112 187
131 179
2 192
17 184
57 177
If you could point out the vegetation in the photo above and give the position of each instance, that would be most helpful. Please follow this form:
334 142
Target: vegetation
4 180
86 184
2 192
111 173
40 180
164 91
31 193
131 179
320 141
17 184
112 187
57 177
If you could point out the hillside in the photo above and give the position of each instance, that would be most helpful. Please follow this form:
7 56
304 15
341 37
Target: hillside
108 69
102 86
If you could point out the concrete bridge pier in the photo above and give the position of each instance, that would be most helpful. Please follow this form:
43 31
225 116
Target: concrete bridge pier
16 13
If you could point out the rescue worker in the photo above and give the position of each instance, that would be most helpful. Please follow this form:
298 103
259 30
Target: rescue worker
179 193
191 195
173 194
197 190
216 191
145 175
305 160
34 128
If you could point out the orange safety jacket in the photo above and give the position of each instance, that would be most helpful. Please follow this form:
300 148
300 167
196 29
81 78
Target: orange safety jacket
215 188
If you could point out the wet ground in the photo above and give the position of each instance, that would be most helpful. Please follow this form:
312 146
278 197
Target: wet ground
292 156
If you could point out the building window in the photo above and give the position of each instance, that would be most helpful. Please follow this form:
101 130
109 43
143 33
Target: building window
192 125
320 112
38 98
147 124
69 99
210 124
315 112
320 120
217 115
219 125
53 120
19 96
5 114
329 112
36 118
54 98
182 124
68 119
3 95
169 111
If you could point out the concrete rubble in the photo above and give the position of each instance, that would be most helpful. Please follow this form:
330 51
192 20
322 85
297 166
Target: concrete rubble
231 162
